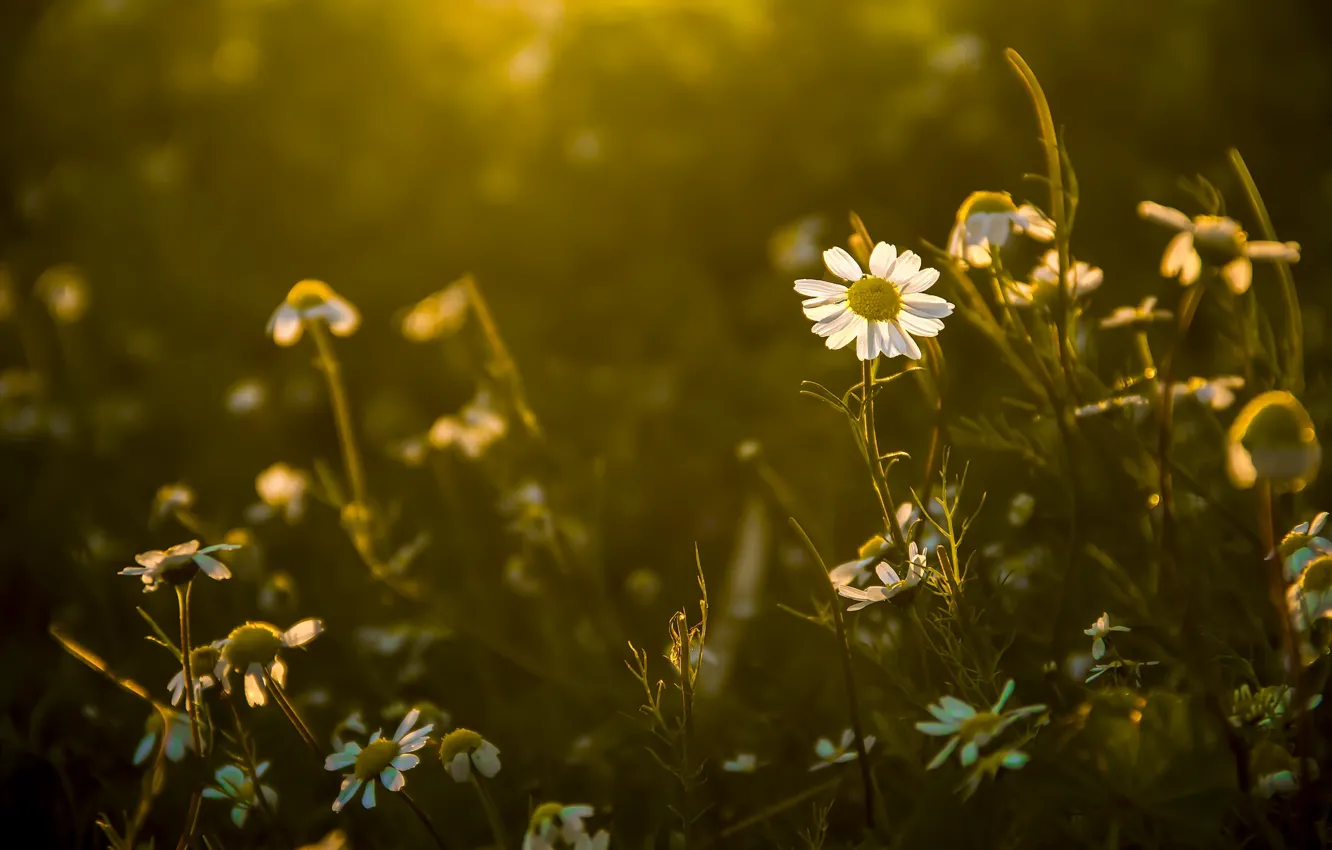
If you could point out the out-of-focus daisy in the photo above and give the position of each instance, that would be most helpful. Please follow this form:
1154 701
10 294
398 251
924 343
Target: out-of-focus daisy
1099 631
893 584
65 292
796 246
1302 544
203 661
436 315
253 650
171 498
385 758
1083 278
472 431
312 301
856 572
1144 313
742 763
179 564
990 765
233 784
1020 509
841 753
463 749
986 222
1217 393
881 310
1311 596
1264 707
1273 437
281 488
555 825
410 451
353 722
246 396
1218 240
970 728
178 740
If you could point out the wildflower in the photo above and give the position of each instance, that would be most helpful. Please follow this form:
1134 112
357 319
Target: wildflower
1273 438
971 728
312 301
386 758
1220 240
171 498
463 748
1313 592
1218 393
893 584
1145 313
1302 544
179 564
1131 401
796 246
178 739
233 784
473 430
880 310
855 572
742 763
282 488
65 291
986 222
1133 668
253 651
990 765
246 396
203 661
830 754
555 825
1082 279
1099 631
1020 509
436 315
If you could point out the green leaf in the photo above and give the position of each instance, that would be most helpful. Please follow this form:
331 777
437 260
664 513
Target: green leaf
161 636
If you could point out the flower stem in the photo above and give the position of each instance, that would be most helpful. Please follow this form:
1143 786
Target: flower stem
280 697
871 447
492 811
1165 436
351 456
425 820
248 760
502 365
1276 585
191 820
183 603
867 780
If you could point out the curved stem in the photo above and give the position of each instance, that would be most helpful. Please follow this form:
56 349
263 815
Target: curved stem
183 604
191 820
425 820
492 811
280 697
502 364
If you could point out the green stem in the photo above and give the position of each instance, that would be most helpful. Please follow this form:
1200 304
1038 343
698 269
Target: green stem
1294 342
871 447
1165 436
280 697
183 604
191 820
492 811
424 819
351 456
502 364
248 759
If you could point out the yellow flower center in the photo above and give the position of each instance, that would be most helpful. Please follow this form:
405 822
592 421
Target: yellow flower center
252 643
1317 576
308 294
1218 236
875 299
980 726
203 659
458 741
375 757
543 814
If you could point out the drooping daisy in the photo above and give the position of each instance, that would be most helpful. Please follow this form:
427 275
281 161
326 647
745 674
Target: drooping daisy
1273 437
893 584
1217 393
179 739
234 784
830 754
179 564
986 222
171 498
1302 544
462 749
282 488
312 301
472 431
253 651
385 758
1218 240
1099 631
1082 278
970 728
1144 313
203 661
880 310
555 825
856 572
436 315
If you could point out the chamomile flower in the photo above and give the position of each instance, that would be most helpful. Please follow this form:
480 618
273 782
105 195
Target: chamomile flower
1099 631
385 758
881 310
171 498
555 825
1273 437
281 488
178 739
1082 278
472 430
856 572
742 763
312 301
1145 313
986 222
436 315
1217 393
179 564
463 749
830 754
203 661
969 728
1302 544
235 785
253 650
1218 240
893 584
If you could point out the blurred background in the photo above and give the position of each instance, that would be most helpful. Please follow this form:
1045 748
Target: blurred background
634 184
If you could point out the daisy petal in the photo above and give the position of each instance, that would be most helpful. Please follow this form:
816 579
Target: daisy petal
303 632
929 306
368 798
285 326
212 567
842 264
882 259
1167 216
907 266
408 721
350 786
392 778
920 281
819 288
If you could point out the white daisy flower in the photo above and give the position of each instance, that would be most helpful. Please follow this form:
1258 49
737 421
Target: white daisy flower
1302 544
253 650
1082 279
857 571
1218 393
439 314
386 758
463 749
830 753
971 728
1099 631
203 661
1144 313
246 396
179 738
234 784
312 301
880 310
179 564
893 584
555 825
986 222
1220 240
171 498
282 488
742 763
1273 437
472 431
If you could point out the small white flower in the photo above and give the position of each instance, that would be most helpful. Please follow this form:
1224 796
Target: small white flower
203 661
1082 280
986 222
881 310
436 315
1143 314
385 758
1302 544
246 396
857 571
283 488
179 564
1218 393
1020 509
971 728
171 498
312 301
463 749
253 650
472 431
742 763
555 825
830 753
234 784
1099 631
1221 239
179 739
893 584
